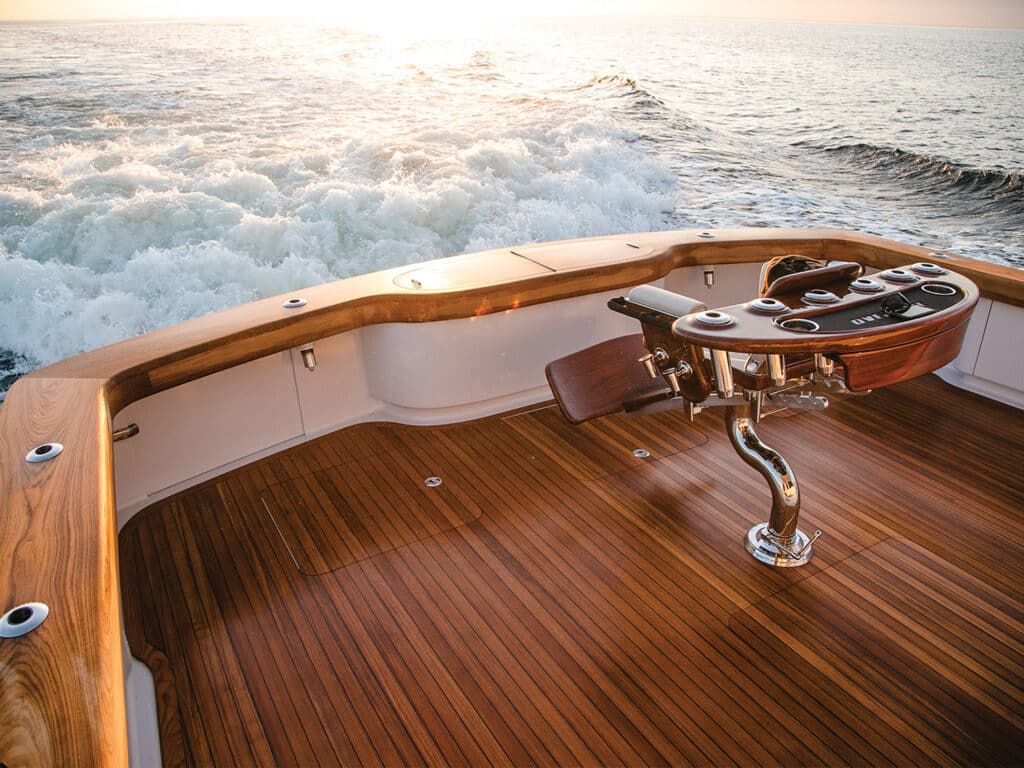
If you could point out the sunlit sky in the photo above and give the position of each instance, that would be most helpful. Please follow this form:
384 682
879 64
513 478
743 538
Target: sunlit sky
964 13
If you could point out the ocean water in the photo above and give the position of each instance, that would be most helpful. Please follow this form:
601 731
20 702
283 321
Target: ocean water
154 172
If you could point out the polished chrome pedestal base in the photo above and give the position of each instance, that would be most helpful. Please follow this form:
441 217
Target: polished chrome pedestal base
768 547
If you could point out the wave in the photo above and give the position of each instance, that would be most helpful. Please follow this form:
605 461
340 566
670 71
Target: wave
622 87
930 170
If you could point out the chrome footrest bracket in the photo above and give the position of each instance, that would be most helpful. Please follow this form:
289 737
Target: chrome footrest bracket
778 542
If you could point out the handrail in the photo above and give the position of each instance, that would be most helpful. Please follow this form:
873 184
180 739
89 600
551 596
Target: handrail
62 699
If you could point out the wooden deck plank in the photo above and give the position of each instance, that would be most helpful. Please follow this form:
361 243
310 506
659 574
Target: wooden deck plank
598 609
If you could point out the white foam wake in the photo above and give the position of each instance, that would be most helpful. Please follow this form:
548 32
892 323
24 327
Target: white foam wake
124 236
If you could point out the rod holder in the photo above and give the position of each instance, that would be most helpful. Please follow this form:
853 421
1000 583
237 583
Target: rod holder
778 542
125 432
308 357
824 365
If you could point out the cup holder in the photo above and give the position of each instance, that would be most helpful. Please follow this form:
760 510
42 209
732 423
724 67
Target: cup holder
927 268
939 289
800 324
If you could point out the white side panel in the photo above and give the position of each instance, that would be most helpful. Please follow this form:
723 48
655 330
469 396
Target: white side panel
968 356
1001 359
455 362
143 725
335 392
734 284
190 429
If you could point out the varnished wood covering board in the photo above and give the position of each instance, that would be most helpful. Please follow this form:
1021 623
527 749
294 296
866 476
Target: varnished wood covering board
601 610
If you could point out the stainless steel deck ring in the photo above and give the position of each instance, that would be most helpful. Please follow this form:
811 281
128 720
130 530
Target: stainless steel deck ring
44 452
927 268
294 303
22 619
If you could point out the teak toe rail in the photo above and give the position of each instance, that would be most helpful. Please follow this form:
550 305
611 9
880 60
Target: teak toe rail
62 698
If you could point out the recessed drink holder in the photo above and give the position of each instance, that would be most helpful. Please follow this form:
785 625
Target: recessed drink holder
817 330
939 289
799 324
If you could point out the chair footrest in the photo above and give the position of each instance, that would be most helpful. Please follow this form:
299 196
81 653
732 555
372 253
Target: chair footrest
602 379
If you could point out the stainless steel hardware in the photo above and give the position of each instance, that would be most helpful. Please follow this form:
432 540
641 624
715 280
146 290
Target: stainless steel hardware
777 369
824 365
709 277
651 359
22 619
308 357
803 402
723 372
673 381
44 452
125 432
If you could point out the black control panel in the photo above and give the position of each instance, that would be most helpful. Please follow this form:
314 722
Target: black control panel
894 308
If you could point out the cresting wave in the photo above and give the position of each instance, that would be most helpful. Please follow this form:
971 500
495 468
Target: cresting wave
1004 187
620 86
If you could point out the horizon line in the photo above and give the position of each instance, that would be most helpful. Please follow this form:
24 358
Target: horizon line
340 22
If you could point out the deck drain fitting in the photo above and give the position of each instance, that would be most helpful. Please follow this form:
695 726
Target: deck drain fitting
44 452
294 303
433 481
22 619
926 268
641 453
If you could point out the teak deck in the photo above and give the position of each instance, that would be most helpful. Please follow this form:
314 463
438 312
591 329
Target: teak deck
558 601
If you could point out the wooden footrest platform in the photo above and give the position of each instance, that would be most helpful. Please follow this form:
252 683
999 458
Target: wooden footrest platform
601 379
